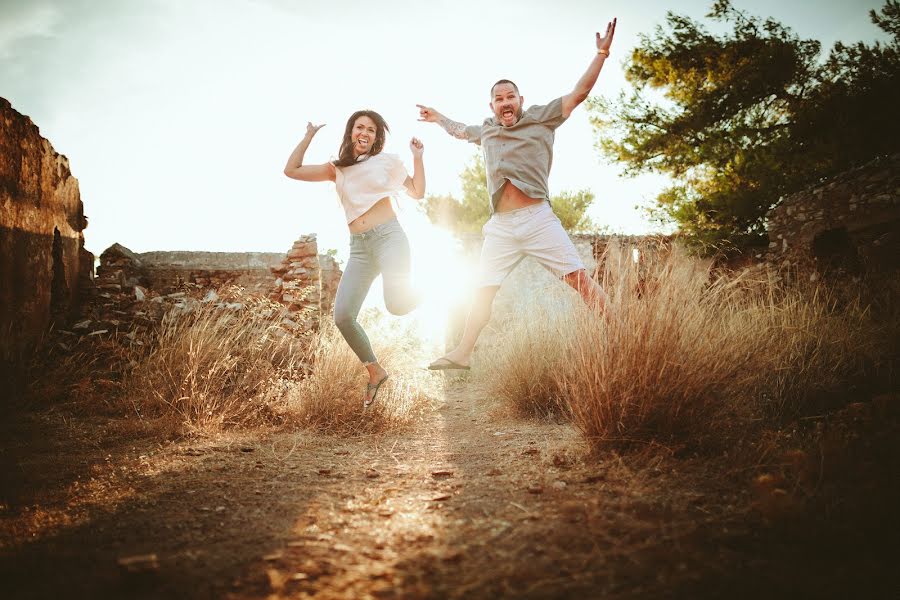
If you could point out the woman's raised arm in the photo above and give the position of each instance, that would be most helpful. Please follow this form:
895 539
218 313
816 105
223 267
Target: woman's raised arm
295 169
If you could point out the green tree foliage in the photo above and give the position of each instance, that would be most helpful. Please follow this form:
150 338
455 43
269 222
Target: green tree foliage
471 212
571 208
742 118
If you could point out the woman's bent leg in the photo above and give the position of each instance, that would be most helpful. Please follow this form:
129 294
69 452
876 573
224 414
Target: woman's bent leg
393 256
352 289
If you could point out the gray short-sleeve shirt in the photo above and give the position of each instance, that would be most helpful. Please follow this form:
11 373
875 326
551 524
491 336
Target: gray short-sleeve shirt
521 154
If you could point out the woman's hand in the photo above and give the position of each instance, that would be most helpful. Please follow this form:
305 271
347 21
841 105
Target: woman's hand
417 147
312 129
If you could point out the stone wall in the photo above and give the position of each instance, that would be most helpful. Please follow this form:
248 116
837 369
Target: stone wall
301 280
297 285
167 271
849 224
43 263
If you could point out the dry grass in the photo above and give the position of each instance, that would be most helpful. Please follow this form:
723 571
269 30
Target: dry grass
331 397
684 355
217 367
214 368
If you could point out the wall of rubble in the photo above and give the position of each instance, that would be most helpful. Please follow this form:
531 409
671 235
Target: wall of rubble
302 281
848 224
43 263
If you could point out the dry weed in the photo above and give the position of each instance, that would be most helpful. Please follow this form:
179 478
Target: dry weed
330 398
218 367
682 356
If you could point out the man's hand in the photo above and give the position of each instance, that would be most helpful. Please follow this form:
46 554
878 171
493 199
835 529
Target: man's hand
417 147
603 43
312 129
428 114
457 130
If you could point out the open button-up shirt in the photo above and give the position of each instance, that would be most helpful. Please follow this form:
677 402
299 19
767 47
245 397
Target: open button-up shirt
521 154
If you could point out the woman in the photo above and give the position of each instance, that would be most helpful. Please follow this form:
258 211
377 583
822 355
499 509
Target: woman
366 179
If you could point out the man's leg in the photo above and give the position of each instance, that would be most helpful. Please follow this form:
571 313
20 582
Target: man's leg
589 290
479 315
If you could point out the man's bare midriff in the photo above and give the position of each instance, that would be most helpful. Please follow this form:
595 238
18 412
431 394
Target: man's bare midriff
513 198
381 212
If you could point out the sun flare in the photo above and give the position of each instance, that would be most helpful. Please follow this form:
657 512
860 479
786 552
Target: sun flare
441 272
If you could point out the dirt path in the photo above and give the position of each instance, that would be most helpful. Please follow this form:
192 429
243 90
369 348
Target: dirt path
466 505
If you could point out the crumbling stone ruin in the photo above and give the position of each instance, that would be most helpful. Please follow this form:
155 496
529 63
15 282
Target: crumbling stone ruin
43 264
847 225
141 287
306 282
167 271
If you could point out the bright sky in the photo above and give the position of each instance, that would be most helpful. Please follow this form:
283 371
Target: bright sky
177 117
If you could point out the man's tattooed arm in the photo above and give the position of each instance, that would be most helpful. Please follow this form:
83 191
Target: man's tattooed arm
457 130
454 128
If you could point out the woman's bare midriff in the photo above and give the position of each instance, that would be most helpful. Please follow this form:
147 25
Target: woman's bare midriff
381 212
513 198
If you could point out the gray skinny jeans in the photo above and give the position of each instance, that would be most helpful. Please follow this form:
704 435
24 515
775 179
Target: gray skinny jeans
383 249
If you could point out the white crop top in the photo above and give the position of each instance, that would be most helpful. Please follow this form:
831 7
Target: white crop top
361 185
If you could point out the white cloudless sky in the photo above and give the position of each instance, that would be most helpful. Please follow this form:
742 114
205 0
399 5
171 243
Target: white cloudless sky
177 116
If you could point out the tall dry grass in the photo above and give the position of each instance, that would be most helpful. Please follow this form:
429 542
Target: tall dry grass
212 368
682 355
330 398
215 367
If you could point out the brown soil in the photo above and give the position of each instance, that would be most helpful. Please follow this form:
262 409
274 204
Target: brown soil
468 504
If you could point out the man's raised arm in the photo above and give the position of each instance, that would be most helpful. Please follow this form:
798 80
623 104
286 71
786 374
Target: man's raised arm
454 128
587 81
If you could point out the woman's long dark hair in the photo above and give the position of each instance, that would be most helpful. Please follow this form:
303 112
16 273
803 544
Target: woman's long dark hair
345 156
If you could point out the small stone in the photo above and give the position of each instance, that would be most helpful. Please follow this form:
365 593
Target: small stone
272 556
441 498
535 488
442 474
140 563
372 474
559 485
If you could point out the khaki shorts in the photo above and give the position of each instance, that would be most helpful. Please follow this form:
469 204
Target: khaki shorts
531 231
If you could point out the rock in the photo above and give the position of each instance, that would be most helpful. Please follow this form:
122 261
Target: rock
139 293
535 488
559 485
140 563
276 579
372 474
442 474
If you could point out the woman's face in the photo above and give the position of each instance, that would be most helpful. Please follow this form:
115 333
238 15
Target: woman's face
363 135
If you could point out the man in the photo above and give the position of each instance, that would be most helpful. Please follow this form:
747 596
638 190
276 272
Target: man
518 151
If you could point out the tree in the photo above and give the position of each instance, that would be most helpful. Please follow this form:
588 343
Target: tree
740 119
471 212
